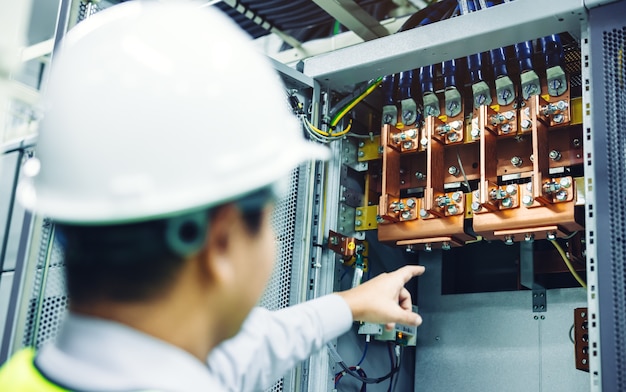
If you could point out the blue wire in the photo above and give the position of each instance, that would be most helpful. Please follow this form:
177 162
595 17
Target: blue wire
364 354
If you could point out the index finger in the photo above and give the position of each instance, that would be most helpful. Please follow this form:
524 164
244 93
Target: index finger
409 271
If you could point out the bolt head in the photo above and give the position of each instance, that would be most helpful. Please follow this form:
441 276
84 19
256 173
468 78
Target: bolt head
358 223
379 219
511 189
424 213
359 213
361 144
561 195
407 145
419 175
428 248
457 196
509 115
551 235
453 137
526 124
406 215
411 133
558 118
555 155
475 206
565 182
424 142
475 132
361 154
529 237
508 240
506 128
410 203
516 161
507 202
452 170
453 210
527 200
445 246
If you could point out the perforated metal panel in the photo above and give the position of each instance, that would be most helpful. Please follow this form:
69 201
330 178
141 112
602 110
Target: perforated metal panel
48 300
608 84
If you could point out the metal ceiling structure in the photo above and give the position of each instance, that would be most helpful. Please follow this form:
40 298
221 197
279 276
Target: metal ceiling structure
297 21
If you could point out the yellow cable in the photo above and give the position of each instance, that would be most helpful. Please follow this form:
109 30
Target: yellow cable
352 104
346 130
315 129
568 263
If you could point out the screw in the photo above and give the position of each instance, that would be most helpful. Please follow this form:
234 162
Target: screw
555 155
531 89
361 154
419 175
561 195
516 161
543 317
527 200
410 203
576 142
409 249
359 212
508 240
452 106
406 215
457 196
407 116
453 210
407 145
508 115
424 142
387 118
561 105
456 125
551 235
480 99
558 118
424 213
507 202
505 94
583 314
453 170
475 206
428 247
526 124
475 133
529 237
565 182
358 223
555 84
505 128
511 189
445 245
584 361
453 137
532 158
411 133
361 144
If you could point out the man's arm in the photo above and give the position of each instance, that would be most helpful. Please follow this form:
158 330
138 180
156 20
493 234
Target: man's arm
271 343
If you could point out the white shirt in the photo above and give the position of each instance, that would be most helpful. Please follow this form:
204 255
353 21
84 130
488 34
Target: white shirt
92 354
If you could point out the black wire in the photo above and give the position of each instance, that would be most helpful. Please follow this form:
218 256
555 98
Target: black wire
367 380
393 365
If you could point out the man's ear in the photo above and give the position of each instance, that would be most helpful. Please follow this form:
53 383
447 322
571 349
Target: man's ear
216 255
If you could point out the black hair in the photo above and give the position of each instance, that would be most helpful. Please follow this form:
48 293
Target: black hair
136 261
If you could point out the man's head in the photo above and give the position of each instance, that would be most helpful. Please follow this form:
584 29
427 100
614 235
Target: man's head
162 126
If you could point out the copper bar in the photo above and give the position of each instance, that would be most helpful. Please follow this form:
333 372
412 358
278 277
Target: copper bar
451 226
541 159
390 174
434 167
453 241
488 159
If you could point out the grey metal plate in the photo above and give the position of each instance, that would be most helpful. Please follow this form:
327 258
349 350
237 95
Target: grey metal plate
6 283
492 341
8 169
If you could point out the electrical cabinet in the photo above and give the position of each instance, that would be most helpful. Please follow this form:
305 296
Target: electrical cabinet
485 147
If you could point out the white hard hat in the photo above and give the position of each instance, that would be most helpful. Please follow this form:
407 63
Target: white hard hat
153 109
